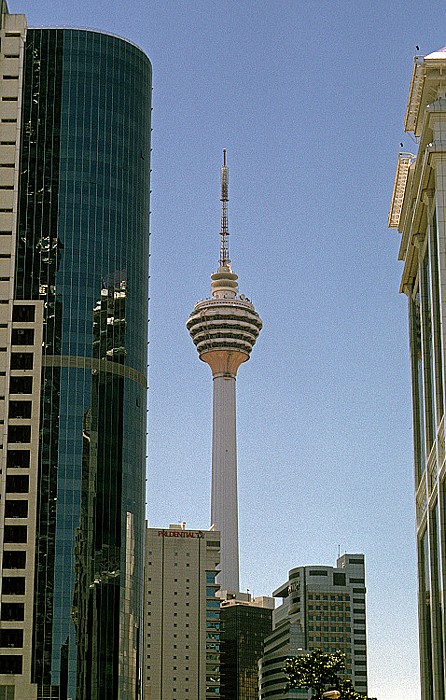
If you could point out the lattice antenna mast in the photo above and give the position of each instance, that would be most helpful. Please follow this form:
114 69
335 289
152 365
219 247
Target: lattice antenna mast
224 233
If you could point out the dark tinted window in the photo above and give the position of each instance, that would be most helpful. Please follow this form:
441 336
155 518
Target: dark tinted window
21 385
13 612
10 664
19 433
16 509
338 579
22 336
16 483
18 458
23 313
14 560
16 534
11 638
20 409
13 585
21 360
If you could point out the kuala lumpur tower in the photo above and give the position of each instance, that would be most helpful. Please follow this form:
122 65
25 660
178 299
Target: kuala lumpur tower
224 330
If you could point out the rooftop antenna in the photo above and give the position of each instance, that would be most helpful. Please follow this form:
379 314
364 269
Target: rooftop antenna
224 233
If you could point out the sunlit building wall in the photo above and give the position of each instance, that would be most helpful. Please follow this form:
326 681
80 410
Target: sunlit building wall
418 211
182 614
323 607
74 229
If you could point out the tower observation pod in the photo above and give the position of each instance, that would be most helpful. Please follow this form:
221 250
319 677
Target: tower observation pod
224 330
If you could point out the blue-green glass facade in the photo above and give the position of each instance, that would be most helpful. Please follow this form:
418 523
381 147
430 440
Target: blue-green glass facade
83 236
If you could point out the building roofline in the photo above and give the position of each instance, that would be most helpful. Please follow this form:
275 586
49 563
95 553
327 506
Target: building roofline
92 30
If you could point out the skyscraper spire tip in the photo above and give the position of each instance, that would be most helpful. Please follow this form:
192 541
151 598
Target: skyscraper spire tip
224 233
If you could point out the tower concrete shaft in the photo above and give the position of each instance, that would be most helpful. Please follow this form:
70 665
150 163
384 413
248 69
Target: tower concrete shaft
224 330
224 504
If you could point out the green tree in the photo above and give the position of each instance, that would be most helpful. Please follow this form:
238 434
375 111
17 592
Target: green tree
320 671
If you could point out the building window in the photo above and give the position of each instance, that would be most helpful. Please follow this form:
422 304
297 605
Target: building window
16 509
13 585
22 336
22 360
11 638
18 459
19 433
16 483
20 409
10 665
14 560
21 385
24 313
13 612
15 534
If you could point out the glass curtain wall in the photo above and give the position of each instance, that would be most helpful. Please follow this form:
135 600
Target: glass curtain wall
83 236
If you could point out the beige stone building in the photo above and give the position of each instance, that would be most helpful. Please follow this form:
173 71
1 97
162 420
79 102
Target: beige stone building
182 614
20 363
418 211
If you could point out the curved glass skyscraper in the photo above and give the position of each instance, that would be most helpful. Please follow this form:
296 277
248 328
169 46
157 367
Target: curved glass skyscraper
79 242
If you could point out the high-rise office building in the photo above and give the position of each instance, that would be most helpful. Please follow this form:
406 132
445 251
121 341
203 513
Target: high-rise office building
74 228
323 607
245 622
418 211
182 614
224 330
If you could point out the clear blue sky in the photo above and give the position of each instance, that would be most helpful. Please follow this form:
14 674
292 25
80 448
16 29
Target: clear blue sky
308 98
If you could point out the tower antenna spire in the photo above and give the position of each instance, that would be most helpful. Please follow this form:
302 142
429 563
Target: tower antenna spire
224 232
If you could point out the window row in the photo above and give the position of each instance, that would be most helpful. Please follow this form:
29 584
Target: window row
337 597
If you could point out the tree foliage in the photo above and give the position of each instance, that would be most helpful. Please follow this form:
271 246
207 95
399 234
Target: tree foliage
320 672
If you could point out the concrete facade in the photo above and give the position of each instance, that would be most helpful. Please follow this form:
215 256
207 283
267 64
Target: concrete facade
323 607
418 211
19 323
182 614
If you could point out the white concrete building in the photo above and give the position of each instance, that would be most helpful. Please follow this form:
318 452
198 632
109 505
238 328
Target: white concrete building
418 211
224 330
182 614
323 607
